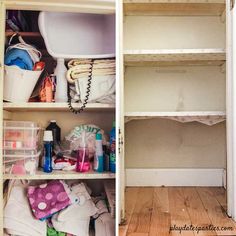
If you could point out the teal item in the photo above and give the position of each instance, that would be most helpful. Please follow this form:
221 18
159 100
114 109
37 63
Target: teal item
113 148
18 57
99 158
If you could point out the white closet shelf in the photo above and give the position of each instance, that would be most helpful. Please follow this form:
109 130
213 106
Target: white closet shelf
169 57
43 106
88 6
63 175
174 7
204 117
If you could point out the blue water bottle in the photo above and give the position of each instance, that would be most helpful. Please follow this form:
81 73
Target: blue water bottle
47 155
113 148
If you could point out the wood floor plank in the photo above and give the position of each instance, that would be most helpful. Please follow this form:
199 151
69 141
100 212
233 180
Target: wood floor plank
131 195
178 211
160 221
220 195
150 211
141 217
197 212
215 212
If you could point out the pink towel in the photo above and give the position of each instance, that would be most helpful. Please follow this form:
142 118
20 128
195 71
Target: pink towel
49 198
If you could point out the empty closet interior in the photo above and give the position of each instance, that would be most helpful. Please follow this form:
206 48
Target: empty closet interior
98 114
175 93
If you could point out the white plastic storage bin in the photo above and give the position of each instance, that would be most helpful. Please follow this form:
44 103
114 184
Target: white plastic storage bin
19 84
21 135
21 162
78 35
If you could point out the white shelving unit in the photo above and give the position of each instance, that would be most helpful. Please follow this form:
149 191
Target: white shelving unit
176 69
174 7
95 113
35 106
204 117
171 57
63 175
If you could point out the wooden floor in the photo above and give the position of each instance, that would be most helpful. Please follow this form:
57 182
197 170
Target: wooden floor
152 211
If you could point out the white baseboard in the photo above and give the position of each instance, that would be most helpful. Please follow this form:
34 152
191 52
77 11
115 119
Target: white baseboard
175 177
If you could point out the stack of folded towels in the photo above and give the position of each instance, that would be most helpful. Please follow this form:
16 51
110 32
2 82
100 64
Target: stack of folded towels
102 73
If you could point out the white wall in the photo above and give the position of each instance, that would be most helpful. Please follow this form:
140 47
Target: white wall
161 143
191 88
163 32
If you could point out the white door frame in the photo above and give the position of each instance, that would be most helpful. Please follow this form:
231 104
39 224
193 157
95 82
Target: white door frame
231 107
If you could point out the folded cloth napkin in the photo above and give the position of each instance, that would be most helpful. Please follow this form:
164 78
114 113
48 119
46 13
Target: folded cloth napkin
18 218
75 218
49 198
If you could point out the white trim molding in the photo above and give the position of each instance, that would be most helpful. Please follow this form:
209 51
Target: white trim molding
175 177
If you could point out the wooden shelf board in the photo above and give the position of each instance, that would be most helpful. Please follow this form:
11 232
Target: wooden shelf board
176 114
63 175
41 106
174 7
169 57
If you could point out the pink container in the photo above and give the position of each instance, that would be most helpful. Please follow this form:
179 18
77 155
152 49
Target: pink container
83 164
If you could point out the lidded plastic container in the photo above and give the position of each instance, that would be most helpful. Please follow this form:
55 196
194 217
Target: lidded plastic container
21 162
21 149
20 135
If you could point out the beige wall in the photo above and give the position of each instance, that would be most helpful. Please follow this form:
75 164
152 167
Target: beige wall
155 32
67 121
161 143
190 88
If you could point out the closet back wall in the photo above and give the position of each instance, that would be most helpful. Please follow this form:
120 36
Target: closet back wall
156 32
161 143
67 121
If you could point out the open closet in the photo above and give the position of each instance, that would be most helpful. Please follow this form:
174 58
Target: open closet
95 114
177 111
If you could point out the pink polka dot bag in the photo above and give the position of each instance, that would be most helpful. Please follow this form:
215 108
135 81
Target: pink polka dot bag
49 198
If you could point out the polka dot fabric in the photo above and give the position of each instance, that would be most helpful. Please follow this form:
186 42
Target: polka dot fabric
47 199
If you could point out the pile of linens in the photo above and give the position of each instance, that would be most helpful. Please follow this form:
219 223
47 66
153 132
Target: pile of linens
55 208
101 72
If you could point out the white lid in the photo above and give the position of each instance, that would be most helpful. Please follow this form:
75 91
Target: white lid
53 121
47 135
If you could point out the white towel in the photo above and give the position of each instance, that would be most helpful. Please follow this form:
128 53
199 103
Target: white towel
101 87
105 225
75 219
18 217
